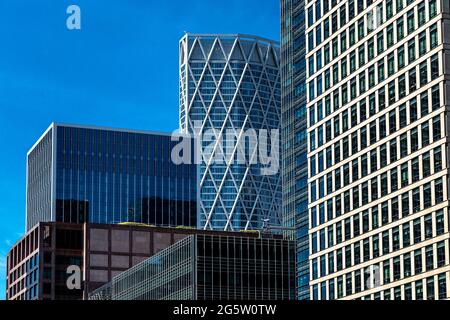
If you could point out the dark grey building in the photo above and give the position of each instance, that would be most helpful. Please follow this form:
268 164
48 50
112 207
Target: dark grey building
83 174
294 136
210 267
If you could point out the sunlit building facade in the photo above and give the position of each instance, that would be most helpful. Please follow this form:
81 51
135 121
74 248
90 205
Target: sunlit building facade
377 98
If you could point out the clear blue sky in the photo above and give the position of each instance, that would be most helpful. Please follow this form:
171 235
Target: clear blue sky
120 70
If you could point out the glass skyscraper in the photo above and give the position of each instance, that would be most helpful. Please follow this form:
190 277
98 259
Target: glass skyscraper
210 267
89 174
377 98
230 90
294 135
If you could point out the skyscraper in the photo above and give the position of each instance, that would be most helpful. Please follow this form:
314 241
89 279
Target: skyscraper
294 136
377 95
229 95
90 174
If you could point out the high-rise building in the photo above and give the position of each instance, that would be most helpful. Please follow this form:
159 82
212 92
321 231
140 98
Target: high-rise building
377 98
209 267
91 174
294 135
229 95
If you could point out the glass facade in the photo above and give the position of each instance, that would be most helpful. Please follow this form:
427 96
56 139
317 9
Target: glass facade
204 267
378 157
294 135
101 175
230 85
39 180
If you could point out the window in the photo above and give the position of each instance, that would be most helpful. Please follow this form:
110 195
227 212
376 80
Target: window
411 51
401 87
417 231
438 191
434 66
371 49
440 254
394 180
376 246
421 12
401 57
422 44
430 288
442 286
386 273
400 29
437 159
380 70
406 235
393 150
423 73
380 42
386 246
375 219
412 80
405 204
426 166
413 110
436 128
418 261
425 134
433 37
389 9
407 265
419 290
414 141
390 35
410 18
432 8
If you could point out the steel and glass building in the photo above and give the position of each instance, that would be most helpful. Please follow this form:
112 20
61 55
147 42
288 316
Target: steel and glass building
294 135
210 267
229 93
377 98
99 175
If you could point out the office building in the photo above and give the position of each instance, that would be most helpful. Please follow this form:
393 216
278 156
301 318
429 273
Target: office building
98 175
377 98
229 96
41 264
294 136
210 267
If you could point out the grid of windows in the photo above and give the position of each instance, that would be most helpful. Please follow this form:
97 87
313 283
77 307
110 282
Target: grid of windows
204 267
377 157
112 176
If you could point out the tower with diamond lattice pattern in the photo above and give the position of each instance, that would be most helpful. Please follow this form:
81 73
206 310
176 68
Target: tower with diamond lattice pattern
230 87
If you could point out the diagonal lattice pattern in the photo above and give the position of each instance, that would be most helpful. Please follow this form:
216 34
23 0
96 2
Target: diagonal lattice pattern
231 84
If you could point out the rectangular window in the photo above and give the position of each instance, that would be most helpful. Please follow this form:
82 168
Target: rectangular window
433 37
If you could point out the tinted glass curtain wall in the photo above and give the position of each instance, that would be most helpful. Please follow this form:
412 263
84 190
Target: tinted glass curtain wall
109 176
294 135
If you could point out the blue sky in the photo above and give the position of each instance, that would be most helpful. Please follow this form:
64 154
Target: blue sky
120 70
